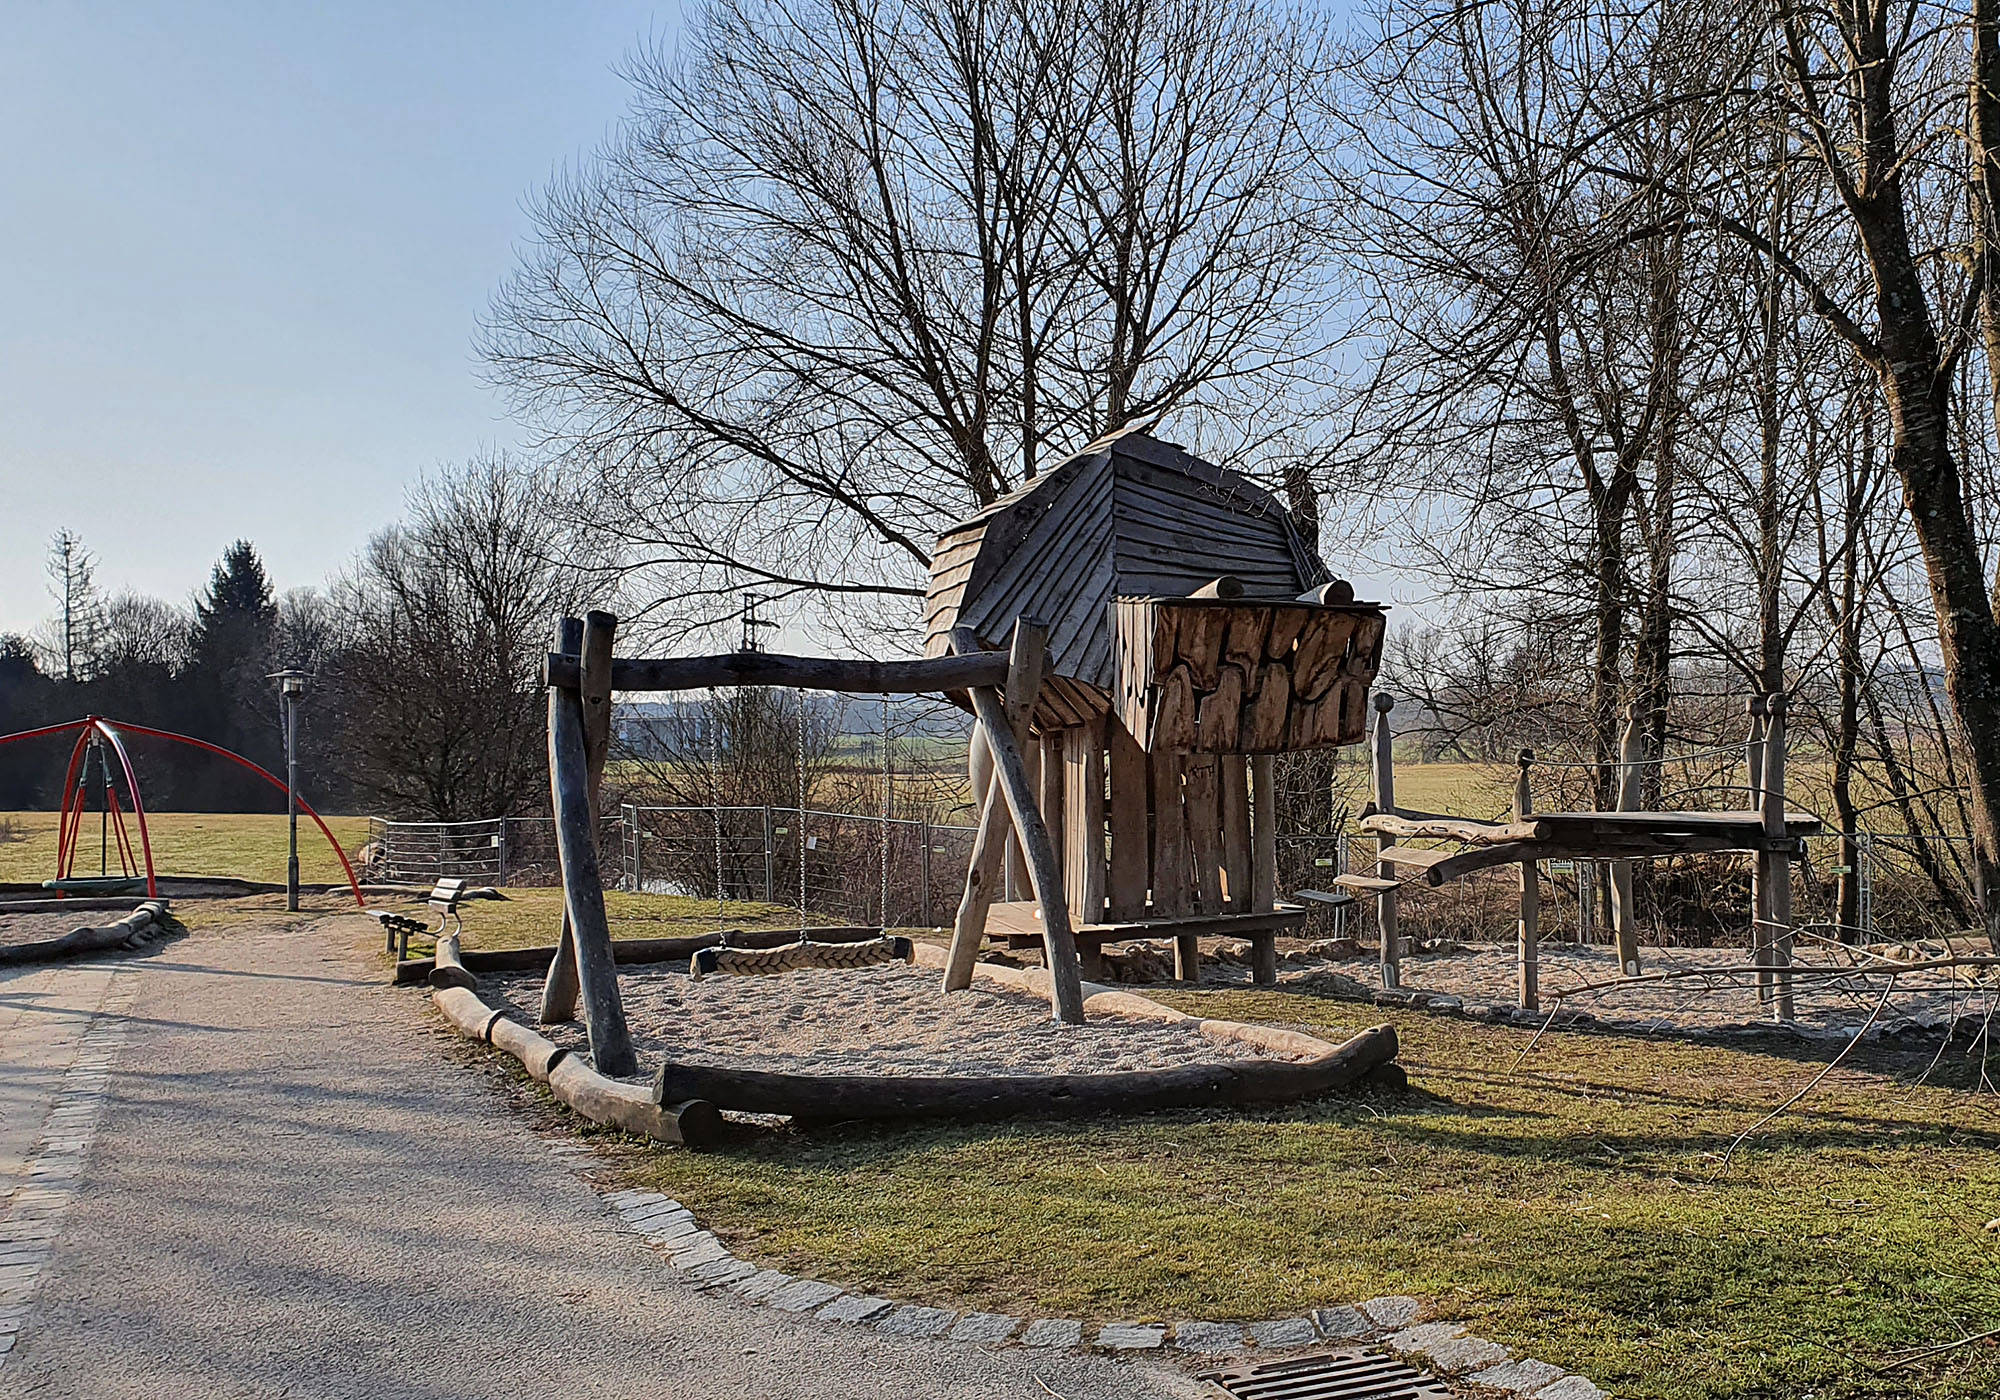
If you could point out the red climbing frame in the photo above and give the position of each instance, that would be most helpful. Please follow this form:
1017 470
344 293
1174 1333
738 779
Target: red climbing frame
71 824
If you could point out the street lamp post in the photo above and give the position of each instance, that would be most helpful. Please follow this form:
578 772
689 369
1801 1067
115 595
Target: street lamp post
291 689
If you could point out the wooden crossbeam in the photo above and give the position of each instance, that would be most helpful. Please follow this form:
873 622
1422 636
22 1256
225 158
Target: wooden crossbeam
932 675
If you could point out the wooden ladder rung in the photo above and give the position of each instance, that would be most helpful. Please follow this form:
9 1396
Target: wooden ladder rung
1371 884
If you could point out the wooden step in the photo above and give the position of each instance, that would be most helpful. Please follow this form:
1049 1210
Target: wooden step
1415 857
1370 884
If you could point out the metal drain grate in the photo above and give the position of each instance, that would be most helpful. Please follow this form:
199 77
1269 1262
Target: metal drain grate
1339 1375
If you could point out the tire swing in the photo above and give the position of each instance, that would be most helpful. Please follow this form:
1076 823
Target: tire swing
805 953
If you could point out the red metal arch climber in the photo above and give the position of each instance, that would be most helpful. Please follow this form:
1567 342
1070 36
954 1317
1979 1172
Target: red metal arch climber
105 735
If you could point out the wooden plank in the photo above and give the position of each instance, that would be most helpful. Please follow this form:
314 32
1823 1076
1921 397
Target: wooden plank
1414 857
1202 803
1083 805
1454 828
1220 712
1173 886
1266 715
1054 774
1130 782
1235 781
913 677
1263 833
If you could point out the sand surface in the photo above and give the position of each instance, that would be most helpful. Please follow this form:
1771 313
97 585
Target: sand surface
879 1020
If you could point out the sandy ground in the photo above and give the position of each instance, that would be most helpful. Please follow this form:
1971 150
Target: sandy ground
877 1020
1485 975
32 928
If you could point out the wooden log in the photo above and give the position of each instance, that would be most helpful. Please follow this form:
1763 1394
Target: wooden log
686 1121
1452 829
1263 833
1044 873
1264 959
1202 800
982 885
929 676
1199 645
1054 775
843 1098
1233 773
537 1053
583 888
1083 809
447 969
1187 957
1528 937
1130 781
1173 884
1336 592
1382 792
1227 586
1624 911
1243 643
628 952
559 987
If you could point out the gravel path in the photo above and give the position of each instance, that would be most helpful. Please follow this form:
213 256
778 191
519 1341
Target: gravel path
294 1187
1486 974
878 1020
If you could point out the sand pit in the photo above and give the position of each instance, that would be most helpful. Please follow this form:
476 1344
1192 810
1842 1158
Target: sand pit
889 1020
33 928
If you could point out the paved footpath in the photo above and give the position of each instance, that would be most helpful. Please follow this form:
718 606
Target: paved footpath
196 1199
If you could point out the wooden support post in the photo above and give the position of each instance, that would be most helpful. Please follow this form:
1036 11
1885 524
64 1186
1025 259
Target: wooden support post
1011 773
1083 810
1054 780
1760 867
1528 950
583 888
1778 863
1236 859
1263 833
1203 801
1382 789
1127 878
1172 886
982 880
1624 915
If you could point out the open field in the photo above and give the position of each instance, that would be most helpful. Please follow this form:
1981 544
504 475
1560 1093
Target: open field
1578 1208
248 845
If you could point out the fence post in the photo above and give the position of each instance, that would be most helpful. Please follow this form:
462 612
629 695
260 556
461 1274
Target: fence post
770 860
638 852
924 911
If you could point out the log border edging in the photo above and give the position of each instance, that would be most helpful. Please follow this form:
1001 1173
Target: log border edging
612 1102
137 927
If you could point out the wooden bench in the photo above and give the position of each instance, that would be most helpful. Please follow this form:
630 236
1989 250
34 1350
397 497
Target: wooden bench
443 901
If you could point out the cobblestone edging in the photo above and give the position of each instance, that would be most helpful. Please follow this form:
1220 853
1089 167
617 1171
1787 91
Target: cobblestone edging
1391 1323
32 1214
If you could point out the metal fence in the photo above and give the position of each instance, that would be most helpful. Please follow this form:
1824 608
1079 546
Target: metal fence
494 851
889 872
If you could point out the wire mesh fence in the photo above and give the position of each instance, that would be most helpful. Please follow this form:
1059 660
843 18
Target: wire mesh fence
492 851
888 872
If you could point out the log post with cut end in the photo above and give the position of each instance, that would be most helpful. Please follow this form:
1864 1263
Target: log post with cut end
982 877
560 986
1011 773
1529 949
583 887
1263 833
1624 913
1382 785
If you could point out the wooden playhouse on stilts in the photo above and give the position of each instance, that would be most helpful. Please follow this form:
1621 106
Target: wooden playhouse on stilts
1191 634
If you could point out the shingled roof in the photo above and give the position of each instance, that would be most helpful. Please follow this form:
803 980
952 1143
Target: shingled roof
1128 516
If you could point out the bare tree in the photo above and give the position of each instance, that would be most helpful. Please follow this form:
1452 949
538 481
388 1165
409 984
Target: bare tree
852 268
76 633
444 623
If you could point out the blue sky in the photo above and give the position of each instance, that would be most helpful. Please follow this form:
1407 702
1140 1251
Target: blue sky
247 246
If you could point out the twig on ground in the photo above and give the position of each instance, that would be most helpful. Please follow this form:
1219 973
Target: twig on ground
1050 1389
1926 1353
1852 1041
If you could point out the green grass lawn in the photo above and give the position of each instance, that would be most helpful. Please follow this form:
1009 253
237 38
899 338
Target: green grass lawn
1577 1208
248 845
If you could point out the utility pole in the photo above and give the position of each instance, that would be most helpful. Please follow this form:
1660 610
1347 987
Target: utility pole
291 690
